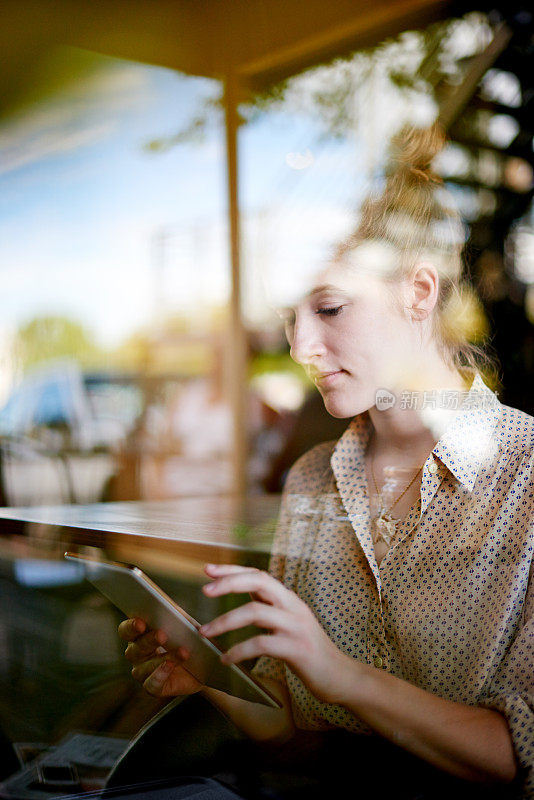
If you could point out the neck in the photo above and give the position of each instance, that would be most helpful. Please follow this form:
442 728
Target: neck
399 431
401 428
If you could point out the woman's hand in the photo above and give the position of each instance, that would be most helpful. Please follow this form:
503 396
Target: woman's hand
293 633
160 672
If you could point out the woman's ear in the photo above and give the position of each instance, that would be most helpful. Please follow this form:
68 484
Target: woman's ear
424 290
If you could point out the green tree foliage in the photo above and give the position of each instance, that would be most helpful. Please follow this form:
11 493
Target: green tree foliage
335 94
53 337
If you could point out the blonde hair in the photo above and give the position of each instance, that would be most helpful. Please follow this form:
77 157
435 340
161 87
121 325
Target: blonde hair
415 216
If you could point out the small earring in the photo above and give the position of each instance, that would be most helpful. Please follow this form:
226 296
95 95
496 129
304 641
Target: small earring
419 314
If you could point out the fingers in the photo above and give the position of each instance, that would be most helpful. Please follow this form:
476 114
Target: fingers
160 672
262 645
145 646
170 678
218 570
260 614
144 669
229 578
156 682
130 629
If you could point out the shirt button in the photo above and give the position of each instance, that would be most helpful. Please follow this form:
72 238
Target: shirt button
378 662
433 468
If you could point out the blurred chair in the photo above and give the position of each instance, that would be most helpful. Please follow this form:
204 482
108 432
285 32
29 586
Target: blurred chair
187 737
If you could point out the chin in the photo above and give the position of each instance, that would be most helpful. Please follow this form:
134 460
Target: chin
343 408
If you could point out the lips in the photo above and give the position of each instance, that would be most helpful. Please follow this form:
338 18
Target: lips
326 379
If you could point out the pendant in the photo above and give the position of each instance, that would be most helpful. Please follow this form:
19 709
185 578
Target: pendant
386 527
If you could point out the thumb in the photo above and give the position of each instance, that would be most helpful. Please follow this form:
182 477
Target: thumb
156 681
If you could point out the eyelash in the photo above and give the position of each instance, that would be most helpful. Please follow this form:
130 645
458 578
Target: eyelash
329 312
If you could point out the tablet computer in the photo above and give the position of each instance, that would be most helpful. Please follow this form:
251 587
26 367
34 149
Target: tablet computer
136 595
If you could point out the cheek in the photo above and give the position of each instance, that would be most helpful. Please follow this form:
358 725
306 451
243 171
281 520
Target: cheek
363 344
375 340
382 352
355 337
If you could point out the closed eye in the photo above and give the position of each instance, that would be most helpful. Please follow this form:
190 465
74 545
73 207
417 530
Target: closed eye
331 311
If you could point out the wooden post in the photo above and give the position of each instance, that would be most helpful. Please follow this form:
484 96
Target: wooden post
237 344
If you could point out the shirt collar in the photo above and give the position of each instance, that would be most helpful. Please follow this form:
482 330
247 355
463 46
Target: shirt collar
352 445
464 444
461 447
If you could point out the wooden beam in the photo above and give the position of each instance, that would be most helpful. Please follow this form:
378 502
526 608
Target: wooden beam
368 24
263 40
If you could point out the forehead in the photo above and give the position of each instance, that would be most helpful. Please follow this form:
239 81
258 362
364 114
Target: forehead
360 273
339 278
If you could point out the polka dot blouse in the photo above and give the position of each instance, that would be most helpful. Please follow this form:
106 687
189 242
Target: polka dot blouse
451 608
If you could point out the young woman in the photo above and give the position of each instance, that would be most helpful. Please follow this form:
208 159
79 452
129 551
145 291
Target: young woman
399 604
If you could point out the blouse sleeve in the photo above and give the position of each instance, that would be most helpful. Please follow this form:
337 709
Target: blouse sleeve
512 693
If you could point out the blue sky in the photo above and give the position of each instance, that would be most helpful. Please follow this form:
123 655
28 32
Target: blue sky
76 219
81 200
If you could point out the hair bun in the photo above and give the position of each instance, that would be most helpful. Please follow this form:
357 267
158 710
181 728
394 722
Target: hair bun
409 213
413 150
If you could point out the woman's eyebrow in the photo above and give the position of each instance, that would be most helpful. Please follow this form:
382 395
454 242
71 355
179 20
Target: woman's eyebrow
326 287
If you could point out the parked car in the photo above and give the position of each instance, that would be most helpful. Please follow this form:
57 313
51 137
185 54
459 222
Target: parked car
59 433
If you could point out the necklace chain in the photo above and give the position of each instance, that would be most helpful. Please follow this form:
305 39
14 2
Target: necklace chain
386 525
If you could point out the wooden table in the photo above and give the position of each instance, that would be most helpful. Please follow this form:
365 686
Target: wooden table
188 530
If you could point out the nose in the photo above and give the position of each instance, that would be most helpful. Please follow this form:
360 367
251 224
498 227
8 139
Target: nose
305 342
